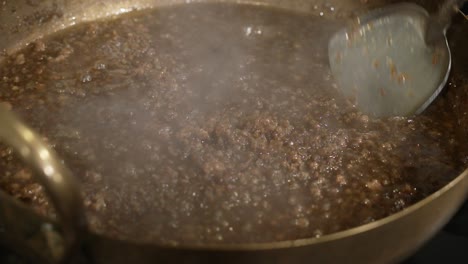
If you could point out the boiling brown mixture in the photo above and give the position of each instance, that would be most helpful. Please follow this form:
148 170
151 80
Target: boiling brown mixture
217 123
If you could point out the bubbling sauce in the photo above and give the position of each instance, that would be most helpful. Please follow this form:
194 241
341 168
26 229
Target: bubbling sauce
216 123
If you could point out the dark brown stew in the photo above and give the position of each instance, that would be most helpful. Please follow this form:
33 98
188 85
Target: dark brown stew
217 123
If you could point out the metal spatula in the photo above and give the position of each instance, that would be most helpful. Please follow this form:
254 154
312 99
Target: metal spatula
393 61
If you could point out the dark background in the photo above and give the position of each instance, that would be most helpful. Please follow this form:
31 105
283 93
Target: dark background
451 244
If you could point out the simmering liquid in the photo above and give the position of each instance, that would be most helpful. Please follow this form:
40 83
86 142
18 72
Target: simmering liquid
217 123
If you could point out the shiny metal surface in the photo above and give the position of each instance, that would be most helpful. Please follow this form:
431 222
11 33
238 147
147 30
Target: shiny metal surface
384 65
25 20
389 240
61 187
28 235
384 241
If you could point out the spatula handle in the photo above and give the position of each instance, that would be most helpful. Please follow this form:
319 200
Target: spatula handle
439 23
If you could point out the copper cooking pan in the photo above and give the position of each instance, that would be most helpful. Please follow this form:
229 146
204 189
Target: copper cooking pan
385 241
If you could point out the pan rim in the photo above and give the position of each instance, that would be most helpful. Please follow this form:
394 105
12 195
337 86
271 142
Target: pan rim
302 242
460 179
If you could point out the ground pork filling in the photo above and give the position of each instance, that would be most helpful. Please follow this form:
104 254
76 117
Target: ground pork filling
217 123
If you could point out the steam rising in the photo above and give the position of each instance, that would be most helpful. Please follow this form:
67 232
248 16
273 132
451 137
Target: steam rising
216 124
172 107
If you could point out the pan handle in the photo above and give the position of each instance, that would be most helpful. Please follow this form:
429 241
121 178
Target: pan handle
61 187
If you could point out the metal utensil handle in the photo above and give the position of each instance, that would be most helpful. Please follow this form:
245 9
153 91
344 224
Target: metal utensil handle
61 187
439 23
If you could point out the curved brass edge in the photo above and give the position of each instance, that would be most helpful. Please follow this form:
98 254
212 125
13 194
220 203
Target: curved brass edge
461 179
69 21
25 233
61 187
98 10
